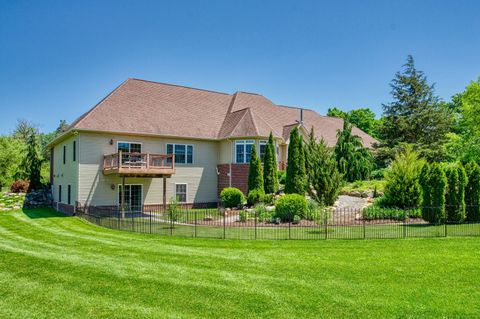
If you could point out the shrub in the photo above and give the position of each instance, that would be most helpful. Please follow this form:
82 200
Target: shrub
290 205
173 209
402 187
255 196
268 199
313 210
455 195
378 174
19 186
376 211
281 176
296 219
232 197
262 213
472 191
435 183
243 216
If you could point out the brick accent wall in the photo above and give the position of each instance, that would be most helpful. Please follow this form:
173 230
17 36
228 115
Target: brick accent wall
239 177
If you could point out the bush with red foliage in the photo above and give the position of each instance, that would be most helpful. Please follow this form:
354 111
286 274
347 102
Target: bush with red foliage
19 186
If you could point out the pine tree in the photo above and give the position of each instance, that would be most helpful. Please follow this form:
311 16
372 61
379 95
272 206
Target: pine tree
295 182
32 163
324 179
354 161
416 115
472 192
270 182
255 179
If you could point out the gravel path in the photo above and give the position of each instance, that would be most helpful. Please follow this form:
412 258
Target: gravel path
350 202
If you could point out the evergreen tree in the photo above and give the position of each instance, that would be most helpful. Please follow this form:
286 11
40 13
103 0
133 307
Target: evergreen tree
455 195
324 179
472 192
438 183
426 189
32 163
270 182
402 188
416 115
295 182
354 161
255 179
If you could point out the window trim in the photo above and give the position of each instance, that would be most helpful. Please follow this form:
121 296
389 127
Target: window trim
244 143
119 202
69 194
186 192
186 145
130 142
260 143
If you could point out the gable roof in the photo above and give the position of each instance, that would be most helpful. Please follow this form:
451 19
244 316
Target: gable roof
151 108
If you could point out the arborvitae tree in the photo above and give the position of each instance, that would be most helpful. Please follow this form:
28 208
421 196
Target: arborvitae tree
354 161
426 189
416 115
32 163
438 184
255 179
324 179
402 187
472 192
270 181
455 195
295 182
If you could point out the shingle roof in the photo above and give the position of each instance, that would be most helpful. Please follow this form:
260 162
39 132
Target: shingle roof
144 107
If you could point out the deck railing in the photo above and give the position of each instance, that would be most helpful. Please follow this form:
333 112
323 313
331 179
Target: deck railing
125 162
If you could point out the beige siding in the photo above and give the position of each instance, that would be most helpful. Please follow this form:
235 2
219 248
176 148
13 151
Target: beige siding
96 188
65 174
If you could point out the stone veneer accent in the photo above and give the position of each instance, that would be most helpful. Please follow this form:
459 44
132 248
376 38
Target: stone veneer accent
239 177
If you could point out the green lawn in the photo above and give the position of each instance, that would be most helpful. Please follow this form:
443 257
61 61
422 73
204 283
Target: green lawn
64 267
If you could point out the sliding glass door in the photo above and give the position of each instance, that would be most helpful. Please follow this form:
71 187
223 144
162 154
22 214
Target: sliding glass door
133 197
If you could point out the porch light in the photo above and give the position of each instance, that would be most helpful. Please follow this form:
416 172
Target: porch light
112 187
111 142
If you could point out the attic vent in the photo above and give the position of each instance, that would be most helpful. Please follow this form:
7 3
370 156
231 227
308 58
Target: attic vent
301 116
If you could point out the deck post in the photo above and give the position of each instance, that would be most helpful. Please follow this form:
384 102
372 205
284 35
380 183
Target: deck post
164 194
123 197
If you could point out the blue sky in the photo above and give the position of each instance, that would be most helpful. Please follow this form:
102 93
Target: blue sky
59 58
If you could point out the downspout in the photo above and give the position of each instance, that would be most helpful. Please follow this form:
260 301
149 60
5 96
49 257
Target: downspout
230 165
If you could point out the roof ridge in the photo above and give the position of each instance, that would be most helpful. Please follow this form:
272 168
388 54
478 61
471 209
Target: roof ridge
250 111
239 121
178 85
264 121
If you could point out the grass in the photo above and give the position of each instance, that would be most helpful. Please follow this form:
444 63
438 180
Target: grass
362 186
63 267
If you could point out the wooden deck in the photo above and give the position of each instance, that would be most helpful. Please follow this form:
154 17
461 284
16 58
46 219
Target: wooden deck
139 164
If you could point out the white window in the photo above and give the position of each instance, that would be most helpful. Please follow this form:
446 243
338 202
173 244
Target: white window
183 153
263 147
181 193
243 151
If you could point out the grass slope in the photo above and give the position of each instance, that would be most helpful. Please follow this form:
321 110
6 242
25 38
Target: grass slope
63 267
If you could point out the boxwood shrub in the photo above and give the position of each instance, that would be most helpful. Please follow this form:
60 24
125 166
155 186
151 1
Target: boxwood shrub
290 205
231 197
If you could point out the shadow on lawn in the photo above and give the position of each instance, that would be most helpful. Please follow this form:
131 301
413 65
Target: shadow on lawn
35 213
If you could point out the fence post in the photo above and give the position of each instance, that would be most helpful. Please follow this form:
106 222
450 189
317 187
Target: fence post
289 232
255 224
150 214
171 219
224 217
404 223
364 228
326 223
195 224
445 223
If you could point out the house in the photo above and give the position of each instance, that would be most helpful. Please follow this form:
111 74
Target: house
160 141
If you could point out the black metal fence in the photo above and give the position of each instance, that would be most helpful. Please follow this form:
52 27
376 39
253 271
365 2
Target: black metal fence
325 224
